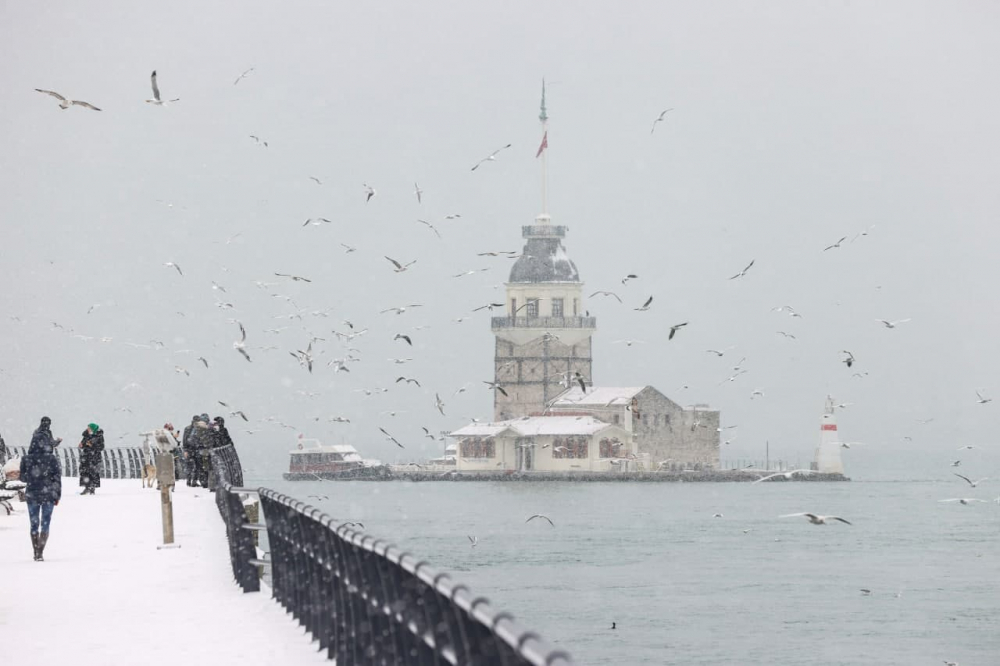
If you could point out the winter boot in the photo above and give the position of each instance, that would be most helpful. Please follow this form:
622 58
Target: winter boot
42 540
34 546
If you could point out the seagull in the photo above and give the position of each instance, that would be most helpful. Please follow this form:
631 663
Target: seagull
318 497
963 500
347 248
489 306
431 227
971 483
439 403
316 221
407 380
718 352
579 379
156 93
865 591
981 400
470 272
240 345
453 216
849 361
787 335
956 463
744 271
816 519
645 306
538 515
339 419
474 540
66 103
788 475
203 360
400 336
674 329
178 369
496 386
369 192
399 268
242 76
492 157
174 266
755 393
606 293
892 324
315 179
305 357
837 244
401 309
390 438
629 277
659 118
628 343
418 192
258 140
295 278
967 446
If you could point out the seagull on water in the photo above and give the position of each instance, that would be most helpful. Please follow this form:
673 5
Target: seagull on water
491 157
538 515
816 519
156 93
66 103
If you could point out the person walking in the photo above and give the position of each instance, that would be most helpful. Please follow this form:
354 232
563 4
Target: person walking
91 447
40 471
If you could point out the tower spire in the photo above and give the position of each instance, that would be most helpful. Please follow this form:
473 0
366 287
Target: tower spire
543 116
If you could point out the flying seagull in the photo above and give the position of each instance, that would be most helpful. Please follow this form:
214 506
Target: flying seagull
408 380
496 385
390 438
296 278
258 140
538 515
401 309
963 500
816 519
849 361
674 329
369 192
645 306
203 360
242 76
892 324
628 277
66 103
837 244
316 221
606 293
659 119
744 271
240 345
399 268
787 335
439 403
418 192
156 93
175 266
474 540
971 483
492 157
316 179
400 336
431 227
981 400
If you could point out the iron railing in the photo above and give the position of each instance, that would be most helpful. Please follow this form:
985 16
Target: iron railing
366 601
497 323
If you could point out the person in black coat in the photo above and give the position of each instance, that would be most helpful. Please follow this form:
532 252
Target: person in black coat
40 471
91 447
222 437
187 446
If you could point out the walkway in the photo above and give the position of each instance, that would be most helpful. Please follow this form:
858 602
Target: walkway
106 595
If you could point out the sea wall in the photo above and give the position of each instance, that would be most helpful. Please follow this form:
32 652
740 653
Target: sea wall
711 476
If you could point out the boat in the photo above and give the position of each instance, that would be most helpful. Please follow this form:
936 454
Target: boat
311 460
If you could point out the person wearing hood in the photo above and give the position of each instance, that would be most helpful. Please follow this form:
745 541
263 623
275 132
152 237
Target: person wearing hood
187 446
222 437
40 471
91 447
203 437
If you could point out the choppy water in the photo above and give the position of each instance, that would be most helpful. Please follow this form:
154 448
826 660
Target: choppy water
685 587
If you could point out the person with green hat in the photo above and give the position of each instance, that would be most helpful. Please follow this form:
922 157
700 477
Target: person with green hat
91 447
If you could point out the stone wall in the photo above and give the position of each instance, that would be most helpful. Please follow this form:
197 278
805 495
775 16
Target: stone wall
530 374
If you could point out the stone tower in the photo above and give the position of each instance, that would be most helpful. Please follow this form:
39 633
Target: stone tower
544 337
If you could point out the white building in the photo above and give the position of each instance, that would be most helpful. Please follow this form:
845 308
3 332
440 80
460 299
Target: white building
828 451
545 443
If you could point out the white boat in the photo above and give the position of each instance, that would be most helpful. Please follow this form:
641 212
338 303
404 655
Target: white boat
311 459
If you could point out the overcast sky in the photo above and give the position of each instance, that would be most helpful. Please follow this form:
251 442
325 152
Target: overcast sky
794 124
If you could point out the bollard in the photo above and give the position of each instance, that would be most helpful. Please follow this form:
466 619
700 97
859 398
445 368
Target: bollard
165 479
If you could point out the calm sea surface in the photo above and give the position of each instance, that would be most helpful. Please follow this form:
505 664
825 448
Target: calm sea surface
687 588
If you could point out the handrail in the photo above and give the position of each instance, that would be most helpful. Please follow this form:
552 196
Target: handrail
363 599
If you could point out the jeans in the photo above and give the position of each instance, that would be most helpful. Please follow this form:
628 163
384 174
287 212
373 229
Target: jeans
34 509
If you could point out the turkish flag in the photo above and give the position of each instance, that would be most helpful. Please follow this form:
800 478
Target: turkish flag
545 144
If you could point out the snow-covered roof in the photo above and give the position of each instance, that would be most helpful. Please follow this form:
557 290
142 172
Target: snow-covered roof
314 446
536 425
598 395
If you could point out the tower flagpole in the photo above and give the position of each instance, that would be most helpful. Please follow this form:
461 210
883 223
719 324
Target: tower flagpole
544 117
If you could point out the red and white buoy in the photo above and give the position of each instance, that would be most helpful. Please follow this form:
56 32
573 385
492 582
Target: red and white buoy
828 452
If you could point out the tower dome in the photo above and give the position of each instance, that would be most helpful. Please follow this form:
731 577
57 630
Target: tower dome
544 259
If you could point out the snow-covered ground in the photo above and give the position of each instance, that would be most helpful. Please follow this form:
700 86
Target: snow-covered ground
106 595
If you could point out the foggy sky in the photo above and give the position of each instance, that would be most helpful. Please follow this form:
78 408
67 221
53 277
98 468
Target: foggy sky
794 124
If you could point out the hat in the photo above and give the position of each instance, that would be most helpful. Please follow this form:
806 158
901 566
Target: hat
195 418
204 417
93 427
219 420
168 426
46 421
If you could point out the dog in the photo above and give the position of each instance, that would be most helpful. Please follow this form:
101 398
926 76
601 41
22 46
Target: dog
148 474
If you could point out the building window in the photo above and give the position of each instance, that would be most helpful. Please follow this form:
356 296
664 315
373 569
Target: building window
618 419
557 307
532 307
571 447
513 307
476 447
610 448
656 420
575 306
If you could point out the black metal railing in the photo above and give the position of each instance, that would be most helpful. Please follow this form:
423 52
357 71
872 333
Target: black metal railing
364 600
497 323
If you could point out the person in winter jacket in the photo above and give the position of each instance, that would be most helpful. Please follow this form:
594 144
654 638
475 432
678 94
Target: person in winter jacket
187 445
222 437
91 447
203 437
40 471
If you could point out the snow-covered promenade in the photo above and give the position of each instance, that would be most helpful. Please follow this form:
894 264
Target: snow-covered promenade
106 595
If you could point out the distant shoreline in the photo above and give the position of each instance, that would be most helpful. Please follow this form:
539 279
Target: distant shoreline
717 476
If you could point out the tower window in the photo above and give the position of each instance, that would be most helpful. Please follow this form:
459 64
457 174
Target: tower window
557 307
532 307
513 307
575 307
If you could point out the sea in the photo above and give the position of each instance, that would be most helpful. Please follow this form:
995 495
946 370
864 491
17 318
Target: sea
685 587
